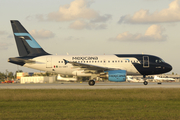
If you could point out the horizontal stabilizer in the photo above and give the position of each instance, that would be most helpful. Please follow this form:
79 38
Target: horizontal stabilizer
20 61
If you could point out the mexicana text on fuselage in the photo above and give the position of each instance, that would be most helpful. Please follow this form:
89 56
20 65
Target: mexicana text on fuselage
84 58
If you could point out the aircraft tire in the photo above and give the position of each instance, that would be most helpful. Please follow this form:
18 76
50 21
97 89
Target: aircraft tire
91 82
145 82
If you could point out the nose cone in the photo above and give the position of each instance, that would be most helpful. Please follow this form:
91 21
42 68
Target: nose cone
168 67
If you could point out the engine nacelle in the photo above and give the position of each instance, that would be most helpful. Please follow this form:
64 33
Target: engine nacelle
115 75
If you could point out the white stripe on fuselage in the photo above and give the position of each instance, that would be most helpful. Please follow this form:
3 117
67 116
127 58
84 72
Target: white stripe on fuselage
56 63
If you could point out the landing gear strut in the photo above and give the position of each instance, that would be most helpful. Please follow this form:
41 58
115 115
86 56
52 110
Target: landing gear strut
91 82
145 82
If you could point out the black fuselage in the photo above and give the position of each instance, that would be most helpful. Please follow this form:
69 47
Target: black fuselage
150 65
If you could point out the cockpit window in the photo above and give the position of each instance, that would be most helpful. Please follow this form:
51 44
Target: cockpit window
159 60
162 60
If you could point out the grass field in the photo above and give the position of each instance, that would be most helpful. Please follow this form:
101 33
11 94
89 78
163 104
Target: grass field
112 104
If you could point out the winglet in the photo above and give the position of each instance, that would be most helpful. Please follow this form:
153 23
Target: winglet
65 61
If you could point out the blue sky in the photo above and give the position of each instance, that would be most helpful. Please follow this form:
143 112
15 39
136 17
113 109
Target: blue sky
94 27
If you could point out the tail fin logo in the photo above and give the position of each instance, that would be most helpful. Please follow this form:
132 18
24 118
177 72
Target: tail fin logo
29 39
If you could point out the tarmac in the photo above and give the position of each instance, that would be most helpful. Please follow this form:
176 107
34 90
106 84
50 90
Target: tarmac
84 85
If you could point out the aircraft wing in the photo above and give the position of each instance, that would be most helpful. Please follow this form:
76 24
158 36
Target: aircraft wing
89 67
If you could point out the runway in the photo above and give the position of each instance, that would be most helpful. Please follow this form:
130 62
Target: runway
84 85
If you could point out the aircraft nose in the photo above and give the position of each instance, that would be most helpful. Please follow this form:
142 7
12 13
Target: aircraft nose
168 67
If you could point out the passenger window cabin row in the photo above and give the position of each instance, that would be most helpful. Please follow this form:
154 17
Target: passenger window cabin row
113 61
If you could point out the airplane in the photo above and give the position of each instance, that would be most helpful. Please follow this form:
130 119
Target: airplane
72 79
131 79
112 67
163 79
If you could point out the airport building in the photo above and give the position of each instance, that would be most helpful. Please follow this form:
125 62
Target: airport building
37 79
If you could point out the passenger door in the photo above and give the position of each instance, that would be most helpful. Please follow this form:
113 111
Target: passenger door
145 61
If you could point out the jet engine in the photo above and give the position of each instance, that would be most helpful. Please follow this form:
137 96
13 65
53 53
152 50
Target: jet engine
114 75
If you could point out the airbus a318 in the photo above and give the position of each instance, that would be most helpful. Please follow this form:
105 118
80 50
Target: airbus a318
112 67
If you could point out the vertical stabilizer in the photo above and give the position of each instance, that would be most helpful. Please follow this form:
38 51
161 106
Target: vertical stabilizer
26 44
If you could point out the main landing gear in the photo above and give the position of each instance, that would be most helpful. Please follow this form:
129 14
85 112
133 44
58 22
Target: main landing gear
144 78
91 82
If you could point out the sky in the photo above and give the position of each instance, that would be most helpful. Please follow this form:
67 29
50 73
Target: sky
94 27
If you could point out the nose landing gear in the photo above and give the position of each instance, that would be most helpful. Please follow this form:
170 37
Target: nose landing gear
145 82
144 78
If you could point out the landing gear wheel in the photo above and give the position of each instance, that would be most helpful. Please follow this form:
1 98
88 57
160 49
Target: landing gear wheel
91 82
145 82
